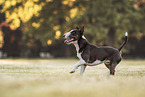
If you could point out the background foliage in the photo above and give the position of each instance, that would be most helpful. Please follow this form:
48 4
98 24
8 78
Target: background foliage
105 21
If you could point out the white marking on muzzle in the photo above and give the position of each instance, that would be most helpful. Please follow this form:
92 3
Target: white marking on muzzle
68 34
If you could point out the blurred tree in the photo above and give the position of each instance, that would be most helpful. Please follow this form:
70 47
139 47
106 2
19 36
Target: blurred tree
108 20
12 40
2 14
49 25
11 37
45 21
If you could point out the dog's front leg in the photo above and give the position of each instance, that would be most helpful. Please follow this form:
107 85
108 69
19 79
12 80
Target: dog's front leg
83 67
81 62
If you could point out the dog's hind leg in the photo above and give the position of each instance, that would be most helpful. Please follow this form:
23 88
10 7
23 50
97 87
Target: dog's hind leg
83 67
107 63
114 60
112 68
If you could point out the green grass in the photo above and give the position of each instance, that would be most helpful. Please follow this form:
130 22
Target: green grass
51 78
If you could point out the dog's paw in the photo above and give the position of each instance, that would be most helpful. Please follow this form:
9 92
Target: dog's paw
71 71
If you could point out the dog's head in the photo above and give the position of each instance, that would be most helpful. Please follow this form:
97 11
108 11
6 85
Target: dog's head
73 35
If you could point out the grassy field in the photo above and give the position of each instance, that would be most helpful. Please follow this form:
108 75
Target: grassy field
51 78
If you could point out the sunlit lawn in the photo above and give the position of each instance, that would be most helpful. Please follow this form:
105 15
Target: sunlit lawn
51 78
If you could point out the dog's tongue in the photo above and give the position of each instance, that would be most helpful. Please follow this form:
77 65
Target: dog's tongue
68 40
65 41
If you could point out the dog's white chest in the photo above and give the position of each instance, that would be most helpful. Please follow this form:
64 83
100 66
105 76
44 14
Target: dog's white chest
77 49
79 55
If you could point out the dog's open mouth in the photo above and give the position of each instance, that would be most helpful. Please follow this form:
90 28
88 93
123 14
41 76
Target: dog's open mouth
69 40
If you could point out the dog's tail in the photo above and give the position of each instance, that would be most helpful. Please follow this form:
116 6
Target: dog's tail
126 39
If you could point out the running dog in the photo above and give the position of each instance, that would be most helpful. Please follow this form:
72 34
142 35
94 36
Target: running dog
91 55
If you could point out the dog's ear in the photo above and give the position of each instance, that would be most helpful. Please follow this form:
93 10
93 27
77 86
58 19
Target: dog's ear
82 30
77 28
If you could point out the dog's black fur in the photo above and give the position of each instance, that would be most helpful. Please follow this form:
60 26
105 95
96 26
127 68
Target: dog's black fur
90 53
